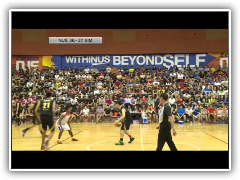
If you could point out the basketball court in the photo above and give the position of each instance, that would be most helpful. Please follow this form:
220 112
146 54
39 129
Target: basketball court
92 137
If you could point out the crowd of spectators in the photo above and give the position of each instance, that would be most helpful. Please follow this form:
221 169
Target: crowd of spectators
196 93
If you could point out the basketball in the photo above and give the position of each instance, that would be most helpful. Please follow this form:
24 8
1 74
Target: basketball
117 124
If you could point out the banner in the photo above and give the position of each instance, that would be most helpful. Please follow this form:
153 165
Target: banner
117 61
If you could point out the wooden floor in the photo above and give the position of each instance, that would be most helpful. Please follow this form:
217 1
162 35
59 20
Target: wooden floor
192 137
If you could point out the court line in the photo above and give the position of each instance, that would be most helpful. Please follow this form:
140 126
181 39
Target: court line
190 145
63 140
216 138
88 147
141 137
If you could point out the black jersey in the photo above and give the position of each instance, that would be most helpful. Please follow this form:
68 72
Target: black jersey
164 115
46 106
128 116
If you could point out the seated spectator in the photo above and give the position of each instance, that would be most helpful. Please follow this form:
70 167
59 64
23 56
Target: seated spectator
94 70
212 113
114 70
108 69
99 113
221 113
92 114
108 112
150 101
131 69
172 100
181 113
179 100
220 92
213 69
108 100
207 90
86 113
189 113
101 100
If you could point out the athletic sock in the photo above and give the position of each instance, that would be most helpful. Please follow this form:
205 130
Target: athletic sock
121 139
72 137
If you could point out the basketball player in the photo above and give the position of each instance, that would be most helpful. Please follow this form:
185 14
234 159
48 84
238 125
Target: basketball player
126 120
47 111
36 122
166 124
63 123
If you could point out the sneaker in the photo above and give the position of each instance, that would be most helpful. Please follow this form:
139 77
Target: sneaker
43 147
73 139
24 132
59 142
131 140
120 143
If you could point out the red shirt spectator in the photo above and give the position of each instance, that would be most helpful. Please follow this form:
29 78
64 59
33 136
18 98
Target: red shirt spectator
118 83
108 101
34 98
182 85
80 83
211 110
179 100
29 101
144 99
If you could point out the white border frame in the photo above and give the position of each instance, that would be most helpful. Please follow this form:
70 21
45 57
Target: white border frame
112 10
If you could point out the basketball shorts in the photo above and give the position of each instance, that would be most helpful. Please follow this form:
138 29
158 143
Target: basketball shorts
62 126
125 125
47 121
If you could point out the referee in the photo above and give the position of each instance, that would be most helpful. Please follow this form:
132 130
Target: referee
166 124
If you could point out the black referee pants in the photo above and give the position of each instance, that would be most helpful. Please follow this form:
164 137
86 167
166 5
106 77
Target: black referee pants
165 136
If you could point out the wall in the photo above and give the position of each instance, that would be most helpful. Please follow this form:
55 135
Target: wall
35 41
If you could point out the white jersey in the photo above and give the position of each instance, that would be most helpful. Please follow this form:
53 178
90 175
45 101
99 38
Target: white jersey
64 123
67 116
